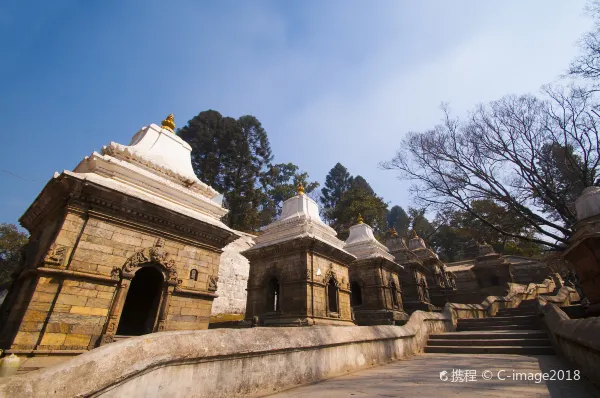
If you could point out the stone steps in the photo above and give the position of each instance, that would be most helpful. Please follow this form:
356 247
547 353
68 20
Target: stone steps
519 350
501 335
511 331
526 326
487 342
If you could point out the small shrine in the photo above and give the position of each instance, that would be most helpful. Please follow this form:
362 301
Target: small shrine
376 297
492 271
128 243
413 276
298 270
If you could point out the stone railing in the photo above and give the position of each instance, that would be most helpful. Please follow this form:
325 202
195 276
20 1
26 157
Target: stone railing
575 339
491 305
227 362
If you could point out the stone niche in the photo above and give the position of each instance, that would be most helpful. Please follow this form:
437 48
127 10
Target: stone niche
583 251
298 271
492 271
374 280
413 276
126 244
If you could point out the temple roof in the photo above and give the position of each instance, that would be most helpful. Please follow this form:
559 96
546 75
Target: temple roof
299 218
363 244
156 167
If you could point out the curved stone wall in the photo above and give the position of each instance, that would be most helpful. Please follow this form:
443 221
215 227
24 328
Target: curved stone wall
227 362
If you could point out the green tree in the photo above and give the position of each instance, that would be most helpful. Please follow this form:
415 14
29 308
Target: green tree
280 182
360 199
231 155
399 220
337 182
11 242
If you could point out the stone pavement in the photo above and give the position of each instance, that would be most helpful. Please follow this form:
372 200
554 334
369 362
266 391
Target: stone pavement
420 377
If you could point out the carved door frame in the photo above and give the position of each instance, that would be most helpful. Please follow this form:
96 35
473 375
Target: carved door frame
150 257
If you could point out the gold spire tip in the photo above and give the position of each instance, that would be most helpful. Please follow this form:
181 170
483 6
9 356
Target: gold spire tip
300 189
360 219
393 232
169 123
414 234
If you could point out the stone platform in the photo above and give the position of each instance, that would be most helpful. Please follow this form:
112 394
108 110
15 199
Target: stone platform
420 377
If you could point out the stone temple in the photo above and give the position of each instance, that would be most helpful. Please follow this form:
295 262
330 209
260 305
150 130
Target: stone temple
129 263
299 270
128 243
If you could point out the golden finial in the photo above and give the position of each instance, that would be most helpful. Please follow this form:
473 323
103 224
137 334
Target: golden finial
360 219
393 232
300 189
169 123
414 234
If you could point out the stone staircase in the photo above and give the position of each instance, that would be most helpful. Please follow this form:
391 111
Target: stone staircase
511 331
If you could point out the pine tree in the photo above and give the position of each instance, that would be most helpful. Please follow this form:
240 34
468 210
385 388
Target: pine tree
336 183
231 155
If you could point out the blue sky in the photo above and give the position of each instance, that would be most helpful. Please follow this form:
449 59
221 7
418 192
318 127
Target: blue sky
335 81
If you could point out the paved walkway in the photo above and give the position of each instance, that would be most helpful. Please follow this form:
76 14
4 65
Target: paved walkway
420 377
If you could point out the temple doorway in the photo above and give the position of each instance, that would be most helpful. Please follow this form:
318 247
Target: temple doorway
141 305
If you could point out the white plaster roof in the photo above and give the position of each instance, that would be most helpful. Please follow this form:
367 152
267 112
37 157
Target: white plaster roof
299 218
156 168
362 243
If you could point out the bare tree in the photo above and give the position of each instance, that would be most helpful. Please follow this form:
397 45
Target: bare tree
532 157
587 64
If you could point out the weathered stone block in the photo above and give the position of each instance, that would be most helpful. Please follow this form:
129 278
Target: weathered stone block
53 339
35 316
58 328
80 340
89 311
70 299
26 338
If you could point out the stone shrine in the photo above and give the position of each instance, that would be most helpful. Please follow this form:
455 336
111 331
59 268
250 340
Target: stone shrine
374 281
298 270
413 276
126 244
438 278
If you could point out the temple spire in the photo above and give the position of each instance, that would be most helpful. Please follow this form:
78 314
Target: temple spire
169 123
360 219
300 189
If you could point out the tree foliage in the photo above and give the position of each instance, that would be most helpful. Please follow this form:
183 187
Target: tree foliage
231 155
337 182
529 156
359 199
11 242
399 220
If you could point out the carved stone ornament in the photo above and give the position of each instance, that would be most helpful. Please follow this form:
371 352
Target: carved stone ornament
331 275
212 283
157 255
56 255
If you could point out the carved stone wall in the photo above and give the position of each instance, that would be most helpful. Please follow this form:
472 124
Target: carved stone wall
71 291
302 273
378 305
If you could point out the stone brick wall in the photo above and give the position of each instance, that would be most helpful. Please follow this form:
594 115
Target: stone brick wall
233 278
67 304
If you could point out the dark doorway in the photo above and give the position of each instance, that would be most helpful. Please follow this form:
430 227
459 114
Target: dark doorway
394 294
494 280
274 298
332 296
356 296
141 305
